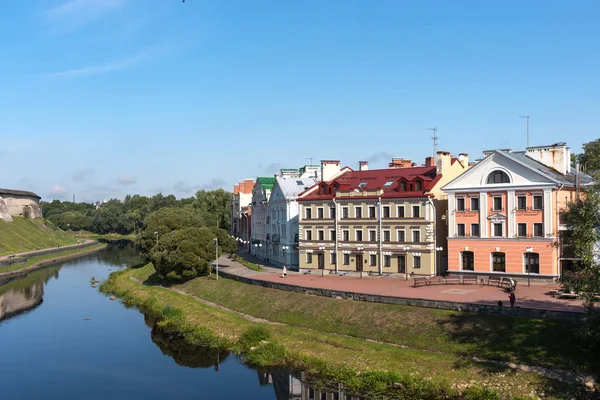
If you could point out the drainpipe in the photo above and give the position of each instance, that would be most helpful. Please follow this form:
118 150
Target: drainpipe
380 244
435 258
559 266
337 256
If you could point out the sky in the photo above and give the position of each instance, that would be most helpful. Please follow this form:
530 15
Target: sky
103 98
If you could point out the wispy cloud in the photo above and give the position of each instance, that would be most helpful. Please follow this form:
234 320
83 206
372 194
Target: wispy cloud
111 66
82 174
126 180
74 13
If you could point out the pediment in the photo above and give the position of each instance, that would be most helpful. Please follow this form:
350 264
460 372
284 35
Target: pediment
497 218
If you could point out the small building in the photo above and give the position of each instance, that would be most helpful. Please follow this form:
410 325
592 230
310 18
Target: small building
19 203
504 213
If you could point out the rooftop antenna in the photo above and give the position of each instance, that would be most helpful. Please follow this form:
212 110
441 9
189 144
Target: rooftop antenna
435 140
527 119
309 158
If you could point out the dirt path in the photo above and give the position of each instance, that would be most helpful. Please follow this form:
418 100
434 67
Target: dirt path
560 375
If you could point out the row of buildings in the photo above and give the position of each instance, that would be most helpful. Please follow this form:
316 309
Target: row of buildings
497 215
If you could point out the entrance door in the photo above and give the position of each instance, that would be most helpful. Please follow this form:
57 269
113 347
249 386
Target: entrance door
321 258
402 264
359 262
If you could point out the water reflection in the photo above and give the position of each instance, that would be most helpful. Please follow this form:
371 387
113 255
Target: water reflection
293 386
24 294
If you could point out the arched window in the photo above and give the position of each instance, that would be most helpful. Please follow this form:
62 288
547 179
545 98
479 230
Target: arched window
498 177
468 261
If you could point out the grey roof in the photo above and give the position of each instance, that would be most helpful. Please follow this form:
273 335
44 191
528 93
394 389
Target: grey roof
521 158
292 187
18 193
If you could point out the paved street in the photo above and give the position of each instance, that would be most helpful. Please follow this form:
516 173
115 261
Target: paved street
34 252
536 296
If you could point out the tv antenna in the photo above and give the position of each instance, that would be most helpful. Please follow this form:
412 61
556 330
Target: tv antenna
309 158
435 140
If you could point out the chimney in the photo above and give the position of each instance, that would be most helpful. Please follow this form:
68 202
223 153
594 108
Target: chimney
464 159
363 165
442 161
329 169
400 163
557 156
429 162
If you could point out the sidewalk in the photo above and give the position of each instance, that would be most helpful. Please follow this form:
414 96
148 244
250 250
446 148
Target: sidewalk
34 252
536 297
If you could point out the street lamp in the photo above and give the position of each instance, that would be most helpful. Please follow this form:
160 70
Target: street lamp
156 233
528 251
437 259
406 249
284 248
216 242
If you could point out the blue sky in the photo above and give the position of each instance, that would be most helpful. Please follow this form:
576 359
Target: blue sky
106 97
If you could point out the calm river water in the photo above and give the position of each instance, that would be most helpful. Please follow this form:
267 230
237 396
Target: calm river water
48 350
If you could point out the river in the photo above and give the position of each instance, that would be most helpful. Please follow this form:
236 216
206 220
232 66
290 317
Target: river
60 338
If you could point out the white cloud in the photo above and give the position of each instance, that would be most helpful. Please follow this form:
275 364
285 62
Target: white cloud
74 13
126 180
58 191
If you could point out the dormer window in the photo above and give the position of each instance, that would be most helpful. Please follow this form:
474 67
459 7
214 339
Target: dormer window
362 185
418 185
336 187
323 189
498 177
403 186
388 184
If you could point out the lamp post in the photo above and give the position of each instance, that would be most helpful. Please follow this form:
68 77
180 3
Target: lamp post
406 249
216 242
156 233
284 248
528 251
437 259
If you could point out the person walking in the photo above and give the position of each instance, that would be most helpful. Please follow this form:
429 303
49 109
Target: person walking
284 272
512 298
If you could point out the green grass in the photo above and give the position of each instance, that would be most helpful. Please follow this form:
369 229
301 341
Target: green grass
96 236
247 263
312 341
24 234
34 260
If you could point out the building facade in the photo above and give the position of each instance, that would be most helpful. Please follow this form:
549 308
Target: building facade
261 193
378 221
504 213
242 197
283 212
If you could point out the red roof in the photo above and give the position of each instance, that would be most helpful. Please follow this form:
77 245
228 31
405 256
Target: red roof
391 181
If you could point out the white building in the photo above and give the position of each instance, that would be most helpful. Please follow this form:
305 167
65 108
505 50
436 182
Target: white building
282 237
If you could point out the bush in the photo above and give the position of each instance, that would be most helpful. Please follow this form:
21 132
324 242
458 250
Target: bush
253 337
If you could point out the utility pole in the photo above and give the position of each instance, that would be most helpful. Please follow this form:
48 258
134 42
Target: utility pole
435 140
216 242
527 119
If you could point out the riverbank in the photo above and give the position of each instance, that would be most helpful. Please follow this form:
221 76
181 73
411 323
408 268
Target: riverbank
337 346
35 263
22 234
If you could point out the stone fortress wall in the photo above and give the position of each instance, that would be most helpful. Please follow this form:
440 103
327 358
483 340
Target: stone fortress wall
15 203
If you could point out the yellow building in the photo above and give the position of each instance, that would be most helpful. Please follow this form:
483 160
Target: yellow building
386 221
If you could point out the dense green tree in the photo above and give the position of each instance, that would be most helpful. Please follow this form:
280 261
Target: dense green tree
227 244
215 207
589 160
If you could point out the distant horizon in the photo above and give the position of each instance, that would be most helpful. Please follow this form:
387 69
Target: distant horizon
103 98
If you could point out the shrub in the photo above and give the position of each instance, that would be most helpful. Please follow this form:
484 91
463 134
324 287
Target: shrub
253 337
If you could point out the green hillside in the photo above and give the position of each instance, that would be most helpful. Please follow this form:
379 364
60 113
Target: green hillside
24 234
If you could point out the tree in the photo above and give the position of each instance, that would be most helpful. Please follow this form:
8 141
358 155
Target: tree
183 254
215 207
589 160
227 244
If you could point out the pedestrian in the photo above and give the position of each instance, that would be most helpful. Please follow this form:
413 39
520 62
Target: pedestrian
284 272
512 298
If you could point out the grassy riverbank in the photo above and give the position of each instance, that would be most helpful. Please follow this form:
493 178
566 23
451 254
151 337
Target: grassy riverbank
35 262
23 234
424 371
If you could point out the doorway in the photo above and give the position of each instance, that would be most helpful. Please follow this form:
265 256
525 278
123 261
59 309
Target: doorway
359 262
402 264
321 260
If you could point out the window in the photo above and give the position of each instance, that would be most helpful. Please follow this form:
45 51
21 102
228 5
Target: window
359 237
460 230
362 185
321 235
416 236
323 189
416 262
372 212
475 230
333 258
358 212
416 211
387 237
332 236
498 230
460 204
521 202
386 211
309 258
498 177
346 236
532 263
345 213
403 186
387 261
498 262
373 259
497 203
522 230
331 212
468 261
388 184
400 211
372 236
418 185
538 230
346 259
474 203
401 237
538 202
320 213
308 213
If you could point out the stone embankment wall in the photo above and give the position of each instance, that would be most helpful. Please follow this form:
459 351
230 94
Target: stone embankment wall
23 259
406 301
14 205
